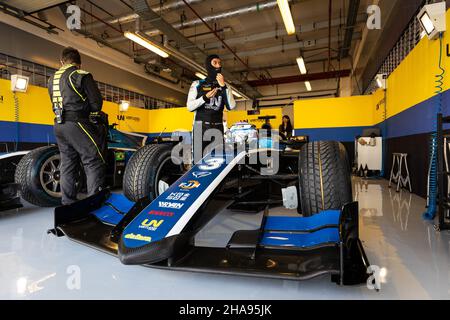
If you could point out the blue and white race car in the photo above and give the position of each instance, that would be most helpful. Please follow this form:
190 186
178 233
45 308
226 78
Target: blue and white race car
166 205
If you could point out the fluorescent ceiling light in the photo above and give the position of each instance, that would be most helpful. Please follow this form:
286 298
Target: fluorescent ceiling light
308 85
236 94
287 16
146 44
427 23
200 75
301 65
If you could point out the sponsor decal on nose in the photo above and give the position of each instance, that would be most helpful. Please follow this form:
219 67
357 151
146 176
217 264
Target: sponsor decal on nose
170 205
191 184
161 213
201 174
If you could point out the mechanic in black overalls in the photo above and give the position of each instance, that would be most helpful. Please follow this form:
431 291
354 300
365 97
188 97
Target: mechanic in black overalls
80 126
207 99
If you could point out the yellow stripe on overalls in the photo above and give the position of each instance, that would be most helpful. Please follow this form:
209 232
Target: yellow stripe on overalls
73 86
93 141
57 99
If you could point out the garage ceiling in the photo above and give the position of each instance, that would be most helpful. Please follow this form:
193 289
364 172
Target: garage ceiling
31 6
254 30
253 43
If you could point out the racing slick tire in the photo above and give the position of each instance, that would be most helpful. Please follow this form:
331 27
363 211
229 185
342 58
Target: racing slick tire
149 172
324 177
38 176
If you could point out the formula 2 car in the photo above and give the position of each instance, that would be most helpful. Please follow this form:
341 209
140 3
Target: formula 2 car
159 229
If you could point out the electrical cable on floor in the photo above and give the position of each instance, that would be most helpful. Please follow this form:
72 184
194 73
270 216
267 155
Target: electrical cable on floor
430 214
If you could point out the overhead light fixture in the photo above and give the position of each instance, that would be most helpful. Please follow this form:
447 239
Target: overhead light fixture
200 75
381 81
236 94
146 44
19 83
432 17
301 65
283 5
308 86
427 23
124 106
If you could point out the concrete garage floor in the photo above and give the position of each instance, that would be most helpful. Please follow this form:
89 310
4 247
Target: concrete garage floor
414 259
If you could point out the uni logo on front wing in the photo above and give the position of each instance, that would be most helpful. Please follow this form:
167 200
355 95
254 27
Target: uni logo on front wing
151 225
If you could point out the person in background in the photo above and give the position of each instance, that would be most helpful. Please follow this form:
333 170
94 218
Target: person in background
286 128
267 126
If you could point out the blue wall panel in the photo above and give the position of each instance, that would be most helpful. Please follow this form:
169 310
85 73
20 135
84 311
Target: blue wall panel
28 132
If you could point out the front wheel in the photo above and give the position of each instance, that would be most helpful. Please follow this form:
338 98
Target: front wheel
150 172
324 177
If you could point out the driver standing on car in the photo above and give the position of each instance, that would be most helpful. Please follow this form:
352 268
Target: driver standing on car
80 126
207 99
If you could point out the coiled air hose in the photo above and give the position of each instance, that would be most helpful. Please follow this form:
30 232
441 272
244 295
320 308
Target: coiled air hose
430 214
16 119
384 131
